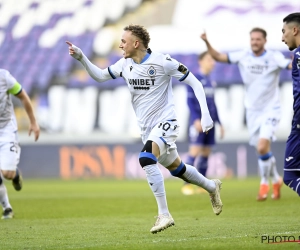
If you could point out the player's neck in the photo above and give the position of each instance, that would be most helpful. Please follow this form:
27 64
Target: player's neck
298 42
259 53
204 71
139 56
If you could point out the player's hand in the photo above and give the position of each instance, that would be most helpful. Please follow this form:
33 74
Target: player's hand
34 127
222 132
203 36
74 51
206 122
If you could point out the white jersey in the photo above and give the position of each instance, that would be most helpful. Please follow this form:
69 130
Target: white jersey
7 82
260 75
150 86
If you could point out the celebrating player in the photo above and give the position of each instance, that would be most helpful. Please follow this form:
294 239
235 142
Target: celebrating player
260 70
148 77
201 143
291 37
9 145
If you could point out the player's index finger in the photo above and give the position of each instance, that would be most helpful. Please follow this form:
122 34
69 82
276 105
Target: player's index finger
69 43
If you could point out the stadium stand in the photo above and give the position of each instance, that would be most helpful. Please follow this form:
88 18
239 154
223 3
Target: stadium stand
33 49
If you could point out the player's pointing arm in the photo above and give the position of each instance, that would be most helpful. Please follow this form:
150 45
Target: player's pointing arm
220 57
96 73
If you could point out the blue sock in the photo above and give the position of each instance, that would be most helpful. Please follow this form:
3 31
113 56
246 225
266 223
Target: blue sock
190 160
202 165
292 180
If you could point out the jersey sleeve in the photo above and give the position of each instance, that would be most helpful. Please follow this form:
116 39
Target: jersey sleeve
101 75
280 60
193 104
173 68
235 56
13 86
115 70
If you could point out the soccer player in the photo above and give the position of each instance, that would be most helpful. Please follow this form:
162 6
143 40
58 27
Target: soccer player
148 77
291 37
201 143
260 70
9 145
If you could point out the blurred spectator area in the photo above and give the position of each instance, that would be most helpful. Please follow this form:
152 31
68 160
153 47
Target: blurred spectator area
68 101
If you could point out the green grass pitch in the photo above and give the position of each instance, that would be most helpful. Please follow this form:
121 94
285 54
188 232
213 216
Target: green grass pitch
110 214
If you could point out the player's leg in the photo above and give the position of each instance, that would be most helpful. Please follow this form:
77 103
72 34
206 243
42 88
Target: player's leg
190 174
202 164
148 161
264 163
291 176
195 141
267 161
10 170
5 161
194 151
203 161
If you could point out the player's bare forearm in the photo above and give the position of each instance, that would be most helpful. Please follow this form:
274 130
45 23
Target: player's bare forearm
95 72
220 57
34 127
27 105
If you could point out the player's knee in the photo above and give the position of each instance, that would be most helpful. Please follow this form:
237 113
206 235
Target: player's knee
263 147
265 156
146 158
8 174
179 171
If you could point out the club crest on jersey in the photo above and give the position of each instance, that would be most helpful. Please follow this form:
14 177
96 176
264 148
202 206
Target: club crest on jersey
183 69
151 71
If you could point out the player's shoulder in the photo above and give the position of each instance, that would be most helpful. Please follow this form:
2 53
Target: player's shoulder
160 56
297 52
272 52
241 51
3 73
237 55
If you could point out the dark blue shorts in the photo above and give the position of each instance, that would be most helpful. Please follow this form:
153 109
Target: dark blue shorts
202 139
292 152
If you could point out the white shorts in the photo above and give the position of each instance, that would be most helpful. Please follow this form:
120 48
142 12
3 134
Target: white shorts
164 134
262 124
9 148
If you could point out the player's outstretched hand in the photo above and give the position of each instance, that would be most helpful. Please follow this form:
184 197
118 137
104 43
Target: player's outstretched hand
203 36
74 51
206 122
34 127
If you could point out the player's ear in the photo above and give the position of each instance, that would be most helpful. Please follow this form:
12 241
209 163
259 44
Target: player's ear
296 30
136 44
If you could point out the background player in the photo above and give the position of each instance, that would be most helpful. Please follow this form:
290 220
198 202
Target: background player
291 37
148 77
260 70
201 143
9 145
